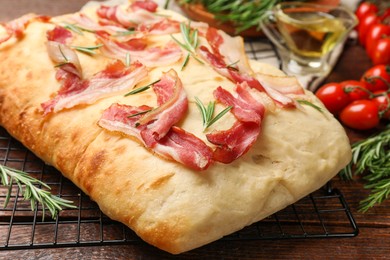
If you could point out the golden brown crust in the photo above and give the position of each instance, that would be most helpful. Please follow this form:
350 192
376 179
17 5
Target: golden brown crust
167 204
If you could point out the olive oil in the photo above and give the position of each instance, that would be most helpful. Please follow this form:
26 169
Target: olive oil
310 34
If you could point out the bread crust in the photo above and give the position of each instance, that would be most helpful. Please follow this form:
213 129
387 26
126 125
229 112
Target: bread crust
167 204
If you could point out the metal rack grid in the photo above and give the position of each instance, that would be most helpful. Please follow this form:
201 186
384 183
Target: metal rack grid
322 214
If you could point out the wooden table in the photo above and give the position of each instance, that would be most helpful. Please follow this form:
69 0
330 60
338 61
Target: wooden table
372 242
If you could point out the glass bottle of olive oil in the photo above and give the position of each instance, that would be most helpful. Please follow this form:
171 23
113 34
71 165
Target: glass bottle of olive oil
310 34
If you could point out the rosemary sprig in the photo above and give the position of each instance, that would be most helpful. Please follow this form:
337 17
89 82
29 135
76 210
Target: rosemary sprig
76 28
308 103
191 41
28 186
244 14
371 158
141 89
139 113
88 49
208 112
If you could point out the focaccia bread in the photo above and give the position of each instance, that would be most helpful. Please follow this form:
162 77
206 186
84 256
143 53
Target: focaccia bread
171 202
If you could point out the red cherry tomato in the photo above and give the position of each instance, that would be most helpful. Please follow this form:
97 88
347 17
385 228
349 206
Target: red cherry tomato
360 114
333 97
365 24
377 77
382 101
375 33
364 9
355 89
381 52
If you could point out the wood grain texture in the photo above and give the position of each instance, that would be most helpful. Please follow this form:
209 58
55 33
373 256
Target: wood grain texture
373 242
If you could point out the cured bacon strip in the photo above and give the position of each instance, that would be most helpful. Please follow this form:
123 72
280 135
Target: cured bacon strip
64 57
16 27
245 107
116 77
173 105
147 5
185 148
163 27
283 84
114 15
87 23
123 118
177 144
222 55
149 56
233 143
59 34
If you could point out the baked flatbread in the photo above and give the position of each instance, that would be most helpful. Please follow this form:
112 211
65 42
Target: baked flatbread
176 198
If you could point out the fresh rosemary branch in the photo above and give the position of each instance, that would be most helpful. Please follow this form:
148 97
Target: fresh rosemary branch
208 112
371 159
30 190
191 41
244 14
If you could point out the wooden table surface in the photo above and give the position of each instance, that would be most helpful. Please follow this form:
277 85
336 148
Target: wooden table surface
373 241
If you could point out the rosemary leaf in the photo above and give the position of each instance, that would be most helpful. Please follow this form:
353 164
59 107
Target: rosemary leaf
141 89
87 49
208 112
308 103
371 159
139 113
217 117
191 41
31 192
76 28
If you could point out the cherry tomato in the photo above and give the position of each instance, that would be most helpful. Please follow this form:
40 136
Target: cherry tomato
377 77
333 97
356 89
360 114
365 24
375 33
364 9
382 101
381 52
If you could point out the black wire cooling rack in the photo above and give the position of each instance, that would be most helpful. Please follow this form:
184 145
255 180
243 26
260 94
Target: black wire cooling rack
323 214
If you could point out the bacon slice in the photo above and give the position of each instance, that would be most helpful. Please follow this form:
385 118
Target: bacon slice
185 148
123 118
88 24
59 34
222 56
155 129
163 27
236 141
177 144
149 56
115 78
147 5
115 15
173 105
16 27
283 84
